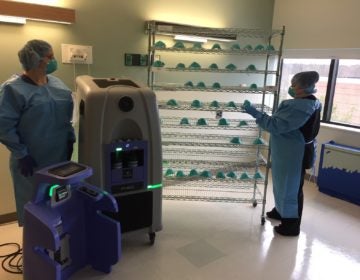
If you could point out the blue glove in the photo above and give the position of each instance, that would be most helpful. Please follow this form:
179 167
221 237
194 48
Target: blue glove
27 165
251 109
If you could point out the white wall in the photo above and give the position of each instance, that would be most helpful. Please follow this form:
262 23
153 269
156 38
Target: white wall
322 29
318 24
7 202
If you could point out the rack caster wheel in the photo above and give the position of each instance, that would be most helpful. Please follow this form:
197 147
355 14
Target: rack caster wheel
152 236
254 203
262 221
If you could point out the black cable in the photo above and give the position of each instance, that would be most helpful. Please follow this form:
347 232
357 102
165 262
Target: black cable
12 262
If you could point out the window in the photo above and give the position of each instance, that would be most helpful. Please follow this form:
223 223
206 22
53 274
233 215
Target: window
346 102
338 88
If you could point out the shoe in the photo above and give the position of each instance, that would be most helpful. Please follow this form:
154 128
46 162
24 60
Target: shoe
288 227
273 214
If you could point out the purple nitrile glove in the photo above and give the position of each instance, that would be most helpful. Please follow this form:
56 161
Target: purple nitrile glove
27 165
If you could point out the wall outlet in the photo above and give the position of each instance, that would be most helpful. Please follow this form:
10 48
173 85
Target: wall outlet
76 54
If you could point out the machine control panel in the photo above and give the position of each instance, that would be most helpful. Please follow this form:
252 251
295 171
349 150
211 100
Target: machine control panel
59 194
127 166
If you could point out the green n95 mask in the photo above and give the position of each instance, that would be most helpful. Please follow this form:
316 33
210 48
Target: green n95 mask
291 92
51 66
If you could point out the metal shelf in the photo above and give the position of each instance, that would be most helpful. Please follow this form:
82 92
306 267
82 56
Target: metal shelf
204 144
209 70
214 192
218 155
213 180
169 162
212 124
209 144
217 51
210 140
167 28
206 106
234 89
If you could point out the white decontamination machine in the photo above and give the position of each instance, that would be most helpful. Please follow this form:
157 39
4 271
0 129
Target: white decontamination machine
119 137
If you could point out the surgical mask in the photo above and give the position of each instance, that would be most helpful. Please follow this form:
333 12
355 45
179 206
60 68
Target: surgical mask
291 92
51 66
310 89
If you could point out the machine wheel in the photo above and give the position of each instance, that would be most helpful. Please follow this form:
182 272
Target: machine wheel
254 203
262 221
152 236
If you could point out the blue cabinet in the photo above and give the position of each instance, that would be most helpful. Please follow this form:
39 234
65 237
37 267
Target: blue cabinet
339 171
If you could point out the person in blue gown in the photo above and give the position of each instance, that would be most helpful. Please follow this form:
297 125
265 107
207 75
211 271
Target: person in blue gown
293 128
35 119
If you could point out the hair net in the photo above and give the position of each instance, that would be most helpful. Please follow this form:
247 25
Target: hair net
31 54
306 80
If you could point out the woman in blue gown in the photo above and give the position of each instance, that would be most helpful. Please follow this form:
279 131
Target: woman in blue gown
293 128
35 119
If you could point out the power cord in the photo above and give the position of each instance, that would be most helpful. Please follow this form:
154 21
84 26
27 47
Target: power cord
12 262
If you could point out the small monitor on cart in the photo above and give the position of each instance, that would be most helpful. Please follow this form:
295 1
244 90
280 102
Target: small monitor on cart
66 169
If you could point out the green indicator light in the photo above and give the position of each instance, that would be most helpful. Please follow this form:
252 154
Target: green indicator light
51 190
118 149
155 186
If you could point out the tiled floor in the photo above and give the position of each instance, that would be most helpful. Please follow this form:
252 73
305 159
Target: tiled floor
205 241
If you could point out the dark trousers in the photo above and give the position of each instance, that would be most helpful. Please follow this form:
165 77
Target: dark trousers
301 193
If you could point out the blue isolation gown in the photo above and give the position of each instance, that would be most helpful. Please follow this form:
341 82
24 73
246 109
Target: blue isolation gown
287 150
36 121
